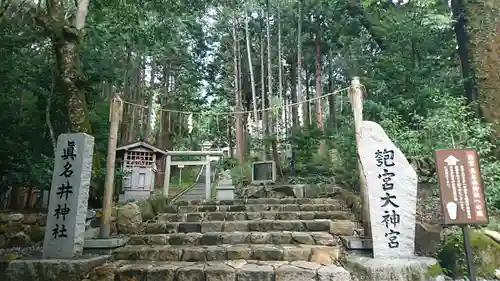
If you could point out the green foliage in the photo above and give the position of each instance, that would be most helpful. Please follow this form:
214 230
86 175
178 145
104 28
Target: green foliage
171 33
310 166
486 254
189 174
405 55
451 124
242 174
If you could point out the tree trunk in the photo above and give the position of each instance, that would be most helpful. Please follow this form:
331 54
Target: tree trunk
244 133
134 110
237 94
319 105
126 96
331 98
282 111
293 93
66 38
229 137
68 62
141 95
299 64
275 121
458 9
149 94
48 120
250 68
307 105
263 97
485 51
164 136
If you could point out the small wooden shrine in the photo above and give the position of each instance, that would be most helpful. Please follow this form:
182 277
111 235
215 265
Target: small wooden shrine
138 162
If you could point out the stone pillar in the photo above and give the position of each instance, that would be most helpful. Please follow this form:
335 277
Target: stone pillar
69 196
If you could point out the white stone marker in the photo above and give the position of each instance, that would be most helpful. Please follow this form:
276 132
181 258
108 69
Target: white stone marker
69 196
392 190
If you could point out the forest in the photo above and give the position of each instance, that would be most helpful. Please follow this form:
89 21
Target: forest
259 77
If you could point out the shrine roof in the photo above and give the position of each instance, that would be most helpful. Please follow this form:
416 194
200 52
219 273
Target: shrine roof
143 144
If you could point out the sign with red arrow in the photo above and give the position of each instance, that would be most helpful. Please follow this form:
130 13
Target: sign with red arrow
461 185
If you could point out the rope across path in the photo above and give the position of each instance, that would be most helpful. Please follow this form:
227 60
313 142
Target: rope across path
275 107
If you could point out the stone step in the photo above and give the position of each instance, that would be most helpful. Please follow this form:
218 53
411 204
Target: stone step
263 252
266 215
341 227
231 271
192 196
218 238
256 208
259 201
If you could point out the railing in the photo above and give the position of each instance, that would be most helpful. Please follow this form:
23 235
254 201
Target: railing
190 187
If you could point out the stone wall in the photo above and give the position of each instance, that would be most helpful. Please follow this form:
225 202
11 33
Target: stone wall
21 230
28 229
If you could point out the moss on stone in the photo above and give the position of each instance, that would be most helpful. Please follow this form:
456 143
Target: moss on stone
8 257
487 253
434 270
353 202
147 209
158 204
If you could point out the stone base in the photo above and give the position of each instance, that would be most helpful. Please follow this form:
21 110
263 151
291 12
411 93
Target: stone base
107 243
357 243
411 269
98 246
224 193
52 269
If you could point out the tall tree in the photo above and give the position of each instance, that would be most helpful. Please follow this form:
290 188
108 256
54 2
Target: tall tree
250 67
319 103
484 48
299 61
237 93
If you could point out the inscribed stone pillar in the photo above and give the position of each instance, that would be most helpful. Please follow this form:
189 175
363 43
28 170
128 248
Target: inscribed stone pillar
69 196
392 189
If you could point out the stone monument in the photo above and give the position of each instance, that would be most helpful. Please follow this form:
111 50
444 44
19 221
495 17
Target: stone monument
225 188
392 188
69 195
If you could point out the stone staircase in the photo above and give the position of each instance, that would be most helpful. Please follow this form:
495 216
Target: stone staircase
197 191
240 240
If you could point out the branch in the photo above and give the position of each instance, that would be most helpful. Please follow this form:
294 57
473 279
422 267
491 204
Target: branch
81 13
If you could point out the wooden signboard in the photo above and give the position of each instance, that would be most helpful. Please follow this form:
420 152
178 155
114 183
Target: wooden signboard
461 186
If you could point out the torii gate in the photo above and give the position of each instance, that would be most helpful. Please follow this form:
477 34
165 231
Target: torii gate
205 162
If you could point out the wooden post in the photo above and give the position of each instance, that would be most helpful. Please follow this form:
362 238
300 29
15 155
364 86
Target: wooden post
356 97
115 115
166 177
208 176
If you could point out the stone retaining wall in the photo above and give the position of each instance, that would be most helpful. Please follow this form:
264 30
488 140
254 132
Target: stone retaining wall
24 230
21 230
